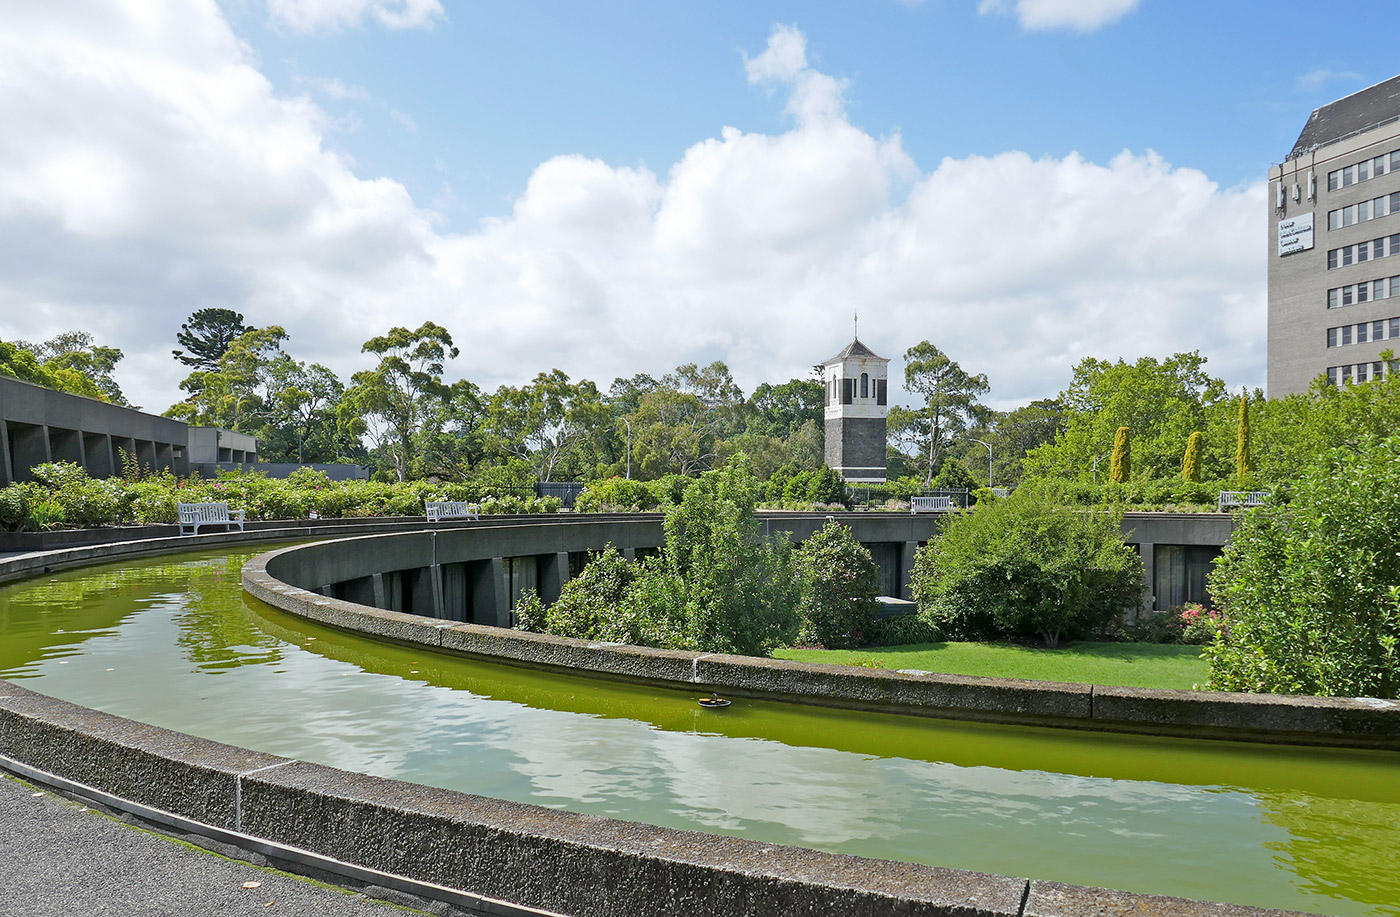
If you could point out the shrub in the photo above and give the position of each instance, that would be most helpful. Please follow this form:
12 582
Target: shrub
590 606
1308 590
1026 565
530 612
1157 627
838 581
901 630
615 494
14 507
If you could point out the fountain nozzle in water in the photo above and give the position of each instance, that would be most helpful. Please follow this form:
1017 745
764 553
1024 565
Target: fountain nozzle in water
714 702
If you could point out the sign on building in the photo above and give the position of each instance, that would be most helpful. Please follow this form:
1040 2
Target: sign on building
1296 234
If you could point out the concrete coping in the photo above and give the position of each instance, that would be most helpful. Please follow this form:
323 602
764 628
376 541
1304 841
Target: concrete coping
1329 721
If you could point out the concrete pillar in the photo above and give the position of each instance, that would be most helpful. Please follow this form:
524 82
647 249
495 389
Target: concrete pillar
490 600
30 447
377 591
630 554
906 569
98 457
554 573
7 472
165 457
1149 577
146 452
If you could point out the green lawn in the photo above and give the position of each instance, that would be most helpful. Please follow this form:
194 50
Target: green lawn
1135 665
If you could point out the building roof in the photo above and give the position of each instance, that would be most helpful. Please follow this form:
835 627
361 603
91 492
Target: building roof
1353 114
854 349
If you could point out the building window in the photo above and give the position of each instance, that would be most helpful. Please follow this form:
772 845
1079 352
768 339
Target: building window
1373 209
1363 171
865 385
1384 247
882 390
1367 290
848 390
1387 329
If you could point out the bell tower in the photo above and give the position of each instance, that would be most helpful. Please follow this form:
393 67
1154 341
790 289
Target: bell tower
857 402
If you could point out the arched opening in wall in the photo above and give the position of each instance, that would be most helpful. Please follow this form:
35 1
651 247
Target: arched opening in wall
865 385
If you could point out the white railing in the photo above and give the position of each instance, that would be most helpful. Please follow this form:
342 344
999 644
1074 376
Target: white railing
1245 498
930 504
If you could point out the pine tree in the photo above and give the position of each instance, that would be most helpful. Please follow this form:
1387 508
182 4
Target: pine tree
1191 461
1244 462
1121 464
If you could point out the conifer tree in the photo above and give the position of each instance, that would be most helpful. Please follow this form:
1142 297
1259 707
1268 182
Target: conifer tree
1191 461
1121 464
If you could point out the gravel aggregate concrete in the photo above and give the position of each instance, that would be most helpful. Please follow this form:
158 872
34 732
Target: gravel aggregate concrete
61 857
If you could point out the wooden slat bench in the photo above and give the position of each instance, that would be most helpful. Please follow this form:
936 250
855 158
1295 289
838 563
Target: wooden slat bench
195 515
438 510
930 504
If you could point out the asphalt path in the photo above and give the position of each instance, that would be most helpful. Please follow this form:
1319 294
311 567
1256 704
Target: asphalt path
59 857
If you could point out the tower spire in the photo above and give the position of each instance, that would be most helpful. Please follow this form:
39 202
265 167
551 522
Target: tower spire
856 335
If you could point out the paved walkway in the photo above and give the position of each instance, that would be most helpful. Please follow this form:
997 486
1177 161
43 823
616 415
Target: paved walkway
58 857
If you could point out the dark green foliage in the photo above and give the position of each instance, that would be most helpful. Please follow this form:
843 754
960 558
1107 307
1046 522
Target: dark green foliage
1310 591
901 630
591 606
1026 565
954 475
530 612
719 586
839 581
206 337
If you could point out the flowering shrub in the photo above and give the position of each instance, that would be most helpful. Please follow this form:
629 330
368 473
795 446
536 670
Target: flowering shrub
62 495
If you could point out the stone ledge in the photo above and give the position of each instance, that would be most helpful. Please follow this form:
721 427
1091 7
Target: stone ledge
591 866
1052 899
1350 721
153 766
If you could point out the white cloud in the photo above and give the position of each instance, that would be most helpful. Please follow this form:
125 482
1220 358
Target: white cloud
1318 77
1080 15
334 88
404 120
308 16
148 170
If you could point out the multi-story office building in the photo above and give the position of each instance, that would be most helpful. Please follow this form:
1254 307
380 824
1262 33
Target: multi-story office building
1334 244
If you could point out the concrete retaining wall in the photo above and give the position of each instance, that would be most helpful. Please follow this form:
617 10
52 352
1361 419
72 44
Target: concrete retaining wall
280 578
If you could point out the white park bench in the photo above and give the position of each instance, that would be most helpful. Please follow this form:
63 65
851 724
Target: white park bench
1245 498
439 510
930 504
194 515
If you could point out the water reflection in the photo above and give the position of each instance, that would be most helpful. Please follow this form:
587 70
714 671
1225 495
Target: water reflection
174 642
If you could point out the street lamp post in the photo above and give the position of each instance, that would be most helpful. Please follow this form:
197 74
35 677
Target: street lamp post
989 462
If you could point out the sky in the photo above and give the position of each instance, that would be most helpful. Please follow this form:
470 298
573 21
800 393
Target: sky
620 187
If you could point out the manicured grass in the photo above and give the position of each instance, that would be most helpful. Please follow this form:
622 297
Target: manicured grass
1134 665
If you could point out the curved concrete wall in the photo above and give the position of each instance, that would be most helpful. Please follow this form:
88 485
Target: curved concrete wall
286 579
483 854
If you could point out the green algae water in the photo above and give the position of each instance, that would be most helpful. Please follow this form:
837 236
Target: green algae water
174 641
